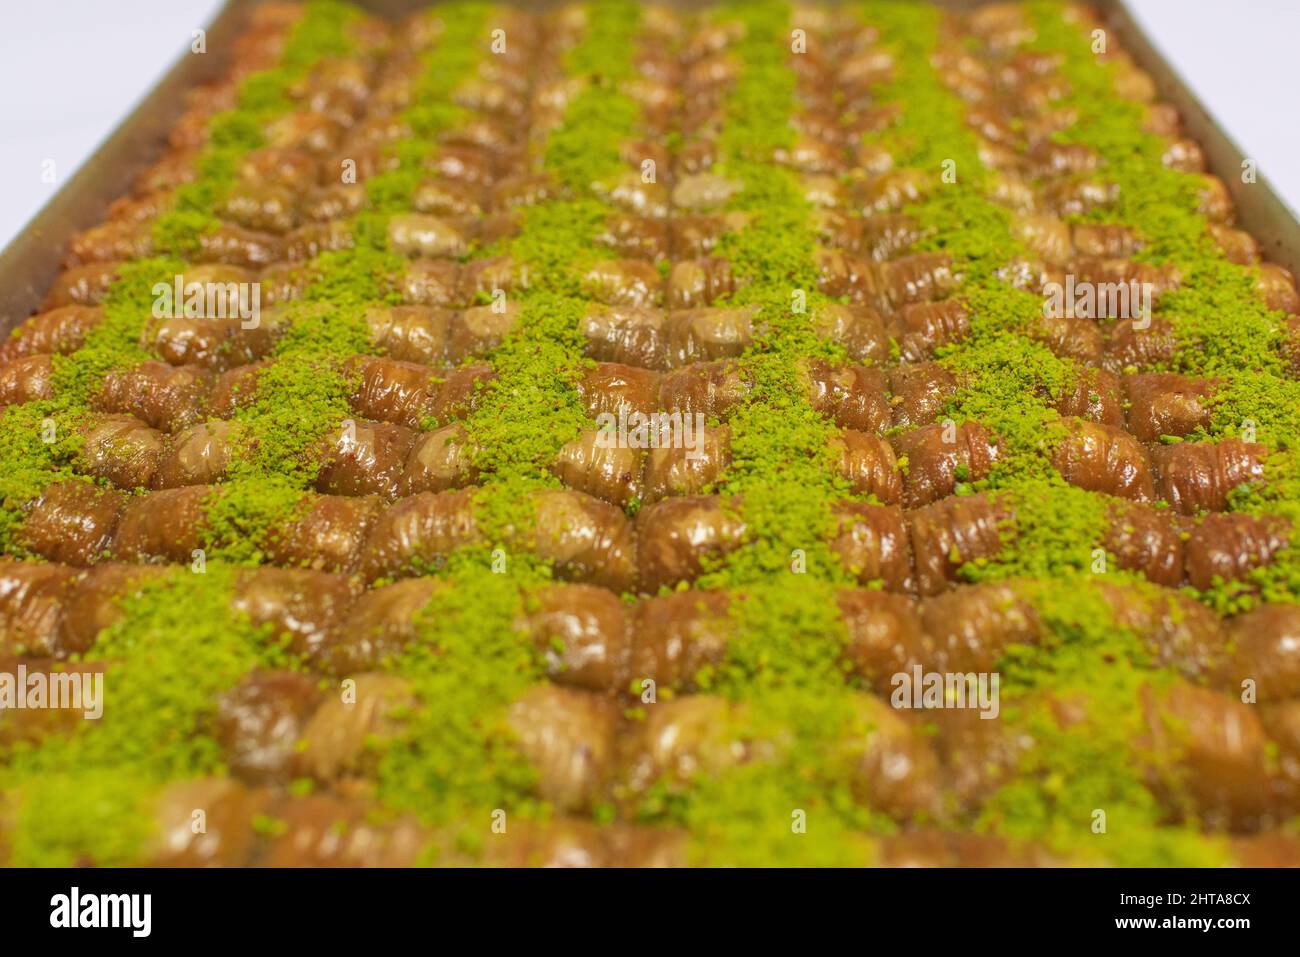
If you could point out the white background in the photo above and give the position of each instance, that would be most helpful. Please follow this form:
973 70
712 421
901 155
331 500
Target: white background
71 69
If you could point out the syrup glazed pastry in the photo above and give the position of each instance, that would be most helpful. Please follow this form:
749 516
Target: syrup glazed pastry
626 436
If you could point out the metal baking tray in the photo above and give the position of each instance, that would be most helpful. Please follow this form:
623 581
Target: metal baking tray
32 260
